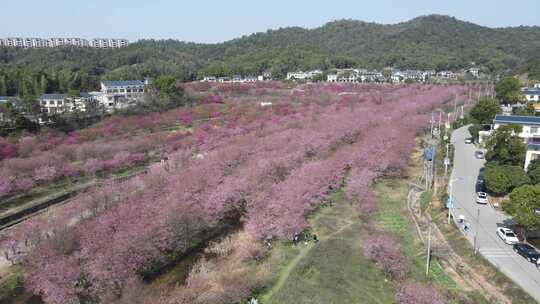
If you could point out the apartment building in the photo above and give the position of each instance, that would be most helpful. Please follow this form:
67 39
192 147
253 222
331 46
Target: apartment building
16 42
105 43
60 42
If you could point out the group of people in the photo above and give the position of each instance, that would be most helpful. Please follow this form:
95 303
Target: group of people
464 224
298 237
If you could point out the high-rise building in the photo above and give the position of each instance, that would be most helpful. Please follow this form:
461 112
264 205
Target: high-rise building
16 42
104 43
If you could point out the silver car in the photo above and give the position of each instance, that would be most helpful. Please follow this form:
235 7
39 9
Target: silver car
479 154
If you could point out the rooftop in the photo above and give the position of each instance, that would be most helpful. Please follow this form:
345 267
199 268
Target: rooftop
519 120
533 146
122 83
53 96
532 91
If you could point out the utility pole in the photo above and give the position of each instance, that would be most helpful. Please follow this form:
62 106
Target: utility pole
431 132
440 121
446 159
451 186
455 106
476 231
428 254
462 112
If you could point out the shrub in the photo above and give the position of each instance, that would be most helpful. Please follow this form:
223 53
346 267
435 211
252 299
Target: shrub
44 174
384 251
534 175
24 184
501 180
6 185
70 170
93 165
7 150
416 293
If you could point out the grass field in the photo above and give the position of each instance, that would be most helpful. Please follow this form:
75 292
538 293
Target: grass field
333 270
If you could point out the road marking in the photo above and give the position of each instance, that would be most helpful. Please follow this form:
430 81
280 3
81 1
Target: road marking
496 253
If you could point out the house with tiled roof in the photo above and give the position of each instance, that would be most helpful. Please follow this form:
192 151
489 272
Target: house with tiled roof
119 94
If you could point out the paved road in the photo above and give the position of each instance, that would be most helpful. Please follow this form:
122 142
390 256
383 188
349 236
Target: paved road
466 167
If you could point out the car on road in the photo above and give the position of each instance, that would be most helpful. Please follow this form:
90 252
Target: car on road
469 140
481 173
508 236
527 251
482 198
480 185
480 154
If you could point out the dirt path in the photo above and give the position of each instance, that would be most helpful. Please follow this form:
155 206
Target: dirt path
306 248
287 271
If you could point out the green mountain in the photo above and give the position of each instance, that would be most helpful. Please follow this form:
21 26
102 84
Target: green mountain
434 42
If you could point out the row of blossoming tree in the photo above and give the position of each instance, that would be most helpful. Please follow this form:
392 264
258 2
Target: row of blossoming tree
259 168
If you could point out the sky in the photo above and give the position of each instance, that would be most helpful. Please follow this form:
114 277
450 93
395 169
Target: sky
219 20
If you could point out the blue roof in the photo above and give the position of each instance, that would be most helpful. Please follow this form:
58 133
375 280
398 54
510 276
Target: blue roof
519 120
531 92
53 96
122 83
4 98
533 146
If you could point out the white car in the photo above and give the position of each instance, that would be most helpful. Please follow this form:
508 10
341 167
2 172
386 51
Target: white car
482 198
469 140
507 235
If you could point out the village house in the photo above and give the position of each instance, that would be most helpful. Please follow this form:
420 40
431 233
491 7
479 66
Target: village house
3 100
530 133
52 104
209 79
300 75
475 72
120 94
532 94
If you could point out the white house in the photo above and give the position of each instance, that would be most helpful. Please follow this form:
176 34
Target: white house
533 152
537 85
209 79
446 75
264 76
52 104
530 125
475 72
333 77
300 75
120 94
530 133
532 94
3 100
